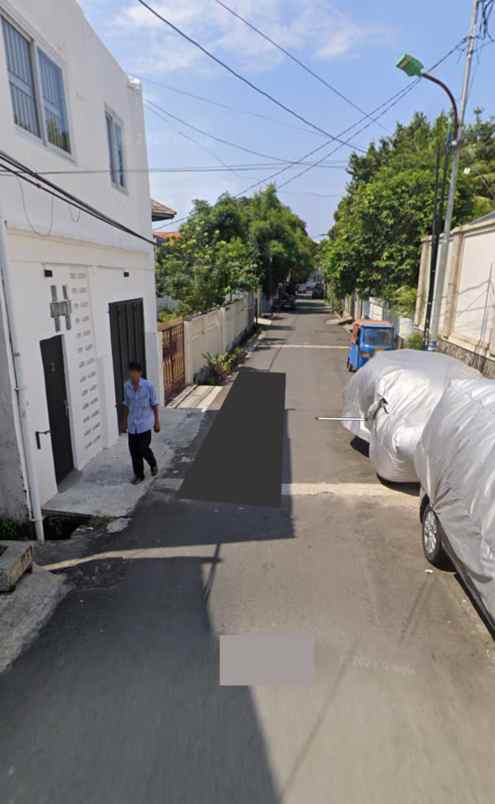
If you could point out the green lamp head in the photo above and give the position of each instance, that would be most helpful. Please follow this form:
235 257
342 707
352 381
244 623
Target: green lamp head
411 66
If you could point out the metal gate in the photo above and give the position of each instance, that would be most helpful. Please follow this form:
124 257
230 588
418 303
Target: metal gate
52 355
127 334
174 364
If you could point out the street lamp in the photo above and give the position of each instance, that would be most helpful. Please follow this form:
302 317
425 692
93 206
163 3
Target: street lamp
412 67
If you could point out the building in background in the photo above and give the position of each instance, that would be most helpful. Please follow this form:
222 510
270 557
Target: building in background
81 295
467 323
160 212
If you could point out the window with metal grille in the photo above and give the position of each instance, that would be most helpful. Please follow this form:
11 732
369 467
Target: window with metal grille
21 78
116 150
52 88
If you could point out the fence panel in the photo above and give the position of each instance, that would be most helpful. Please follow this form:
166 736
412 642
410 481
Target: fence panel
173 359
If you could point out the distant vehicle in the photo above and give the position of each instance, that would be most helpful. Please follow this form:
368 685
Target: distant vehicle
455 464
318 292
285 299
368 338
389 403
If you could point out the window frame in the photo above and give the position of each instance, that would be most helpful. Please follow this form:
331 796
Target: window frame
113 151
41 53
38 46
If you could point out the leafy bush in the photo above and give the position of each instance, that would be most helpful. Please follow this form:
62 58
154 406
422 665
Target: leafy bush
167 316
8 530
404 301
415 341
221 365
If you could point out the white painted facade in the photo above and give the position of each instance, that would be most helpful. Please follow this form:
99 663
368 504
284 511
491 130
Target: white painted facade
468 305
96 264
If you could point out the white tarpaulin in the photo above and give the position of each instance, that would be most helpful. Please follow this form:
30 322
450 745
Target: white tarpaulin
396 392
455 462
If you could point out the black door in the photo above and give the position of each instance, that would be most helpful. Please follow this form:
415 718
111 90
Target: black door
127 331
58 407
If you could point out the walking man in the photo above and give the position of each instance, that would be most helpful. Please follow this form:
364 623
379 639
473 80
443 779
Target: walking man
142 413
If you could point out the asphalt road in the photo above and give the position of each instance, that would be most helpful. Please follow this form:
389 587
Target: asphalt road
118 701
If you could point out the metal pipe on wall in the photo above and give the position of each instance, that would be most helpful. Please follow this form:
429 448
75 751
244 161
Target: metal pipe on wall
20 389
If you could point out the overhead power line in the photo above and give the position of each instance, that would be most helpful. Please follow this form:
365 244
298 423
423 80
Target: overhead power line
254 166
487 7
398 95
225 107
29 176
296 60
243 78
160 111
379 111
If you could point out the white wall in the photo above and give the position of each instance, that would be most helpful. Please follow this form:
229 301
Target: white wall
216 332
95 278
93 81
468 302
84 254
475 296
13 500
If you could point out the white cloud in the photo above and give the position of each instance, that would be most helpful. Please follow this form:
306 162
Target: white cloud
306 27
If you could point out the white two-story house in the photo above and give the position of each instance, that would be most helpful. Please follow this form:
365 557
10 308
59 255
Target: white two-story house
78 296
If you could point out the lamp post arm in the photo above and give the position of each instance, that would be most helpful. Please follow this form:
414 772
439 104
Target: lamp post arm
451 98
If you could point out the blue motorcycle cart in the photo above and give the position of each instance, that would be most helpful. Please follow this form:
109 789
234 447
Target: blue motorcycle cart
368 338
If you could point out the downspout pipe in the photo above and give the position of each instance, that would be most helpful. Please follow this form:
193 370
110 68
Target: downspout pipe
20 388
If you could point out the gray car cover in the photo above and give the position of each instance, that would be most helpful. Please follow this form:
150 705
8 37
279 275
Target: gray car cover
455 462
396 393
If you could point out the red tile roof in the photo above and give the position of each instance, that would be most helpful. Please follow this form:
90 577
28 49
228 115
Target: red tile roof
165 237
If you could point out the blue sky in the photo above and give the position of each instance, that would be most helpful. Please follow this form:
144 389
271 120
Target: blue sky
353 44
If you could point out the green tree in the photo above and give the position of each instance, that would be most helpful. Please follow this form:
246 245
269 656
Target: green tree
374 245
231 246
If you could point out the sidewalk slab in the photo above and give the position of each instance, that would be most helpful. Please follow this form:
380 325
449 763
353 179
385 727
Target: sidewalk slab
24 611
16 558
196 397
104 488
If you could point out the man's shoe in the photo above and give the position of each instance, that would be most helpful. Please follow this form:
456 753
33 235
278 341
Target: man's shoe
137 480
154 470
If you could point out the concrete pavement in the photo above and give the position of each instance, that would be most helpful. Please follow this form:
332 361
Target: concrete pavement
118 700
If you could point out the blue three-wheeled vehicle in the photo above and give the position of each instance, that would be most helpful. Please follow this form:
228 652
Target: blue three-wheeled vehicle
368 338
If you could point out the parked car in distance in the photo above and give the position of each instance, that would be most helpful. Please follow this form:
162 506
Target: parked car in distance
392 397
285 298
318 292
369 337
455 463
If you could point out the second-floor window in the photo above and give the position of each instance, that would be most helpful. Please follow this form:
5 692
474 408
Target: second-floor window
43 114
52 87
21 78
116 150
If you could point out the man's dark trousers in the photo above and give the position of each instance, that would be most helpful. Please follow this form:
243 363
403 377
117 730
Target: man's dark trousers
139 447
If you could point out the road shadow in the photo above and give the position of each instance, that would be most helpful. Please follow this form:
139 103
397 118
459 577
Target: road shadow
278 328
118 701
311 308
361 446
162 522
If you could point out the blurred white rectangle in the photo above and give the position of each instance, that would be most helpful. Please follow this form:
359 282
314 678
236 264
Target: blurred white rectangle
266 659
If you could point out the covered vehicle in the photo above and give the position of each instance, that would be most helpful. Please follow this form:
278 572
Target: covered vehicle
393 397
369 337
455 462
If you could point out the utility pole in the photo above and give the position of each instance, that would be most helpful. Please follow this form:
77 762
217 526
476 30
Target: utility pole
444 245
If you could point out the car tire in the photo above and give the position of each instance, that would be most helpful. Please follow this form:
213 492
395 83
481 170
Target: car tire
432 540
